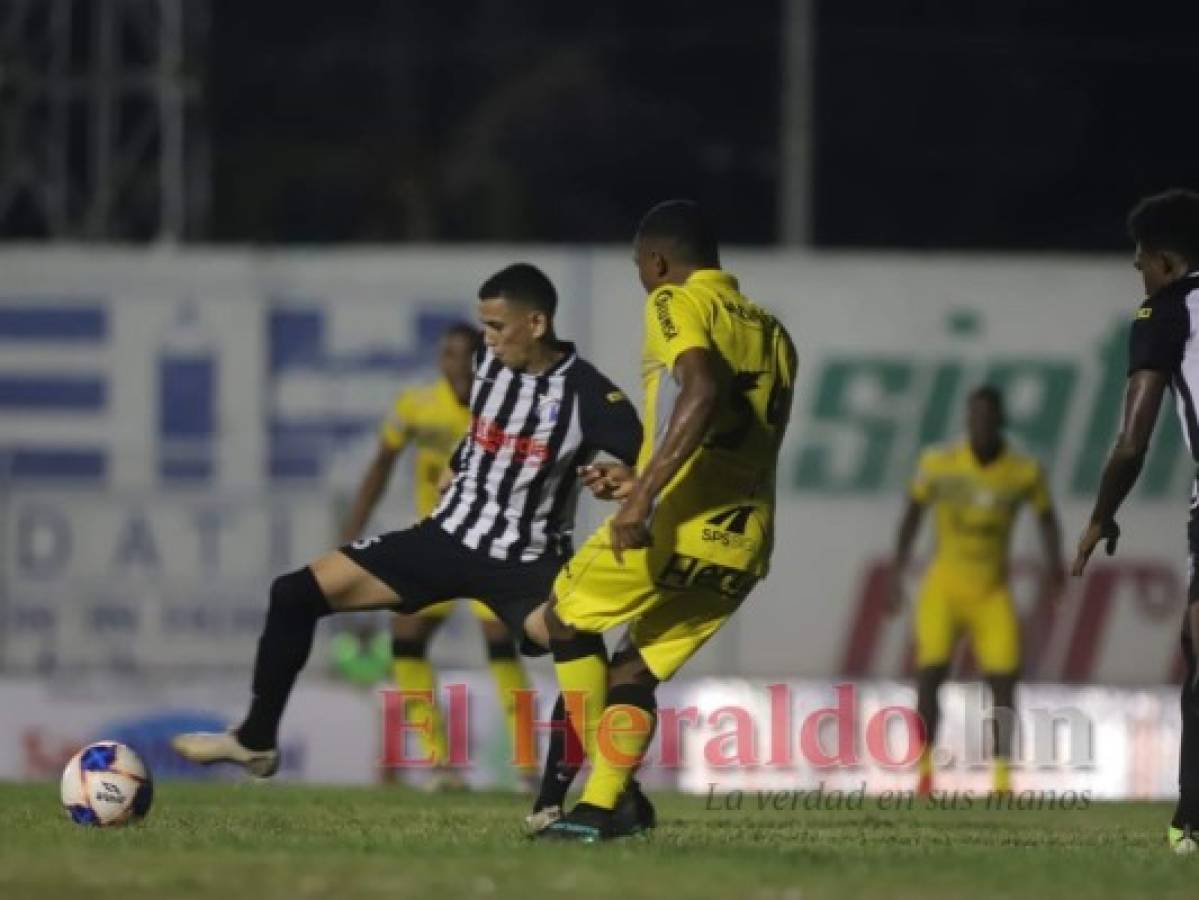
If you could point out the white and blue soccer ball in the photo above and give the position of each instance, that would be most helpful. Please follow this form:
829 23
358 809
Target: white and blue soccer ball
106 784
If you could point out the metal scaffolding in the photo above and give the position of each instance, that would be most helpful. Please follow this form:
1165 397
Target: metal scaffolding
102 135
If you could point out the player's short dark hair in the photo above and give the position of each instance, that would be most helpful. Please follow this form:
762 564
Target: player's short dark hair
683 223
990 394
1168 221
524 284
466 331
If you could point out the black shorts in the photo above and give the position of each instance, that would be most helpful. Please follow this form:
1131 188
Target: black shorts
424 565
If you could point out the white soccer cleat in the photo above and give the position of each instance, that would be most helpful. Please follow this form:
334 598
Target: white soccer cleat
537 822
206 747
1182 841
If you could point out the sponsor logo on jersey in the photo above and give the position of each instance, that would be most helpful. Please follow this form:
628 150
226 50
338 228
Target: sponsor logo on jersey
492 439
688 572
662 309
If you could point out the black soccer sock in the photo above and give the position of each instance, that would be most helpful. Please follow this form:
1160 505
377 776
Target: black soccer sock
296 605
559 771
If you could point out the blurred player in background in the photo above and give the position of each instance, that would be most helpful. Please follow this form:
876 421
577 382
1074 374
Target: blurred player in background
432 419
1162 352
695 528
976 487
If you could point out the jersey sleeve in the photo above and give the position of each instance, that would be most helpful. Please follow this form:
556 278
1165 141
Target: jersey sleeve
920 488
673 325
609 420
1158 337
395 430
1038 490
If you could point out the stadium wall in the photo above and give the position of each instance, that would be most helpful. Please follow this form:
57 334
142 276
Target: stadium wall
179 425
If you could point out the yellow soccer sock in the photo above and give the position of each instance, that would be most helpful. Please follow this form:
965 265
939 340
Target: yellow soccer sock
582 668
1001 775
625 733
926 761
414 673
509 677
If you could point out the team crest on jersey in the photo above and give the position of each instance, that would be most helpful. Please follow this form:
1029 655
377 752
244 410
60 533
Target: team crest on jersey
548 409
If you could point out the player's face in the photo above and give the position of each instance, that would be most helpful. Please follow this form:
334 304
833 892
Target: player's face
1157 268
651 267
983 421
454 357
511 330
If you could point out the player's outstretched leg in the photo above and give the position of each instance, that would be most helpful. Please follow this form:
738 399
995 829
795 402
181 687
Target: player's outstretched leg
298 601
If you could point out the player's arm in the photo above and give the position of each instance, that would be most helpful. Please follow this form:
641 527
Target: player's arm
905 541
610 425
696 373
393 436
920 494
370 489
1142 400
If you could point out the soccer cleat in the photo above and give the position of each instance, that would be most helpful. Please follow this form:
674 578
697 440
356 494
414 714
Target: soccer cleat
634 814
1182 840
207 747
585 824
541 819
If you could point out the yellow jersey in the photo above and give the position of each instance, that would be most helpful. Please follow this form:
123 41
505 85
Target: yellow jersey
720 505
432 419
976 507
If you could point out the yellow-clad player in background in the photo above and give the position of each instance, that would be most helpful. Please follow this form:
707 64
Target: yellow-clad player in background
432 419
976 488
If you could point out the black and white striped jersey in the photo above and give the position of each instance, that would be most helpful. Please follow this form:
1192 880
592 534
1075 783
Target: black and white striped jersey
516 486
1165 338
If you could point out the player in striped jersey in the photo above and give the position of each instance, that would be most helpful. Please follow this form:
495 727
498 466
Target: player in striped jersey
539 413
432 419
1162 352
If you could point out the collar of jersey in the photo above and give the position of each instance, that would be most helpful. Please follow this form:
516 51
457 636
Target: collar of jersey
557 368
967 451
712 275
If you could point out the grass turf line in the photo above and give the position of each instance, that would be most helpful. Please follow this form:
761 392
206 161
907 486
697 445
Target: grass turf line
263 841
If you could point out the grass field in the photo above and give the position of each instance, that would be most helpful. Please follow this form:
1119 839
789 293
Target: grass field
265 841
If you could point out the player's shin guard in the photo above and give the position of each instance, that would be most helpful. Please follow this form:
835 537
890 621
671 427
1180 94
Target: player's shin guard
509 677
581 664
628 727
413 672
295 606
560 770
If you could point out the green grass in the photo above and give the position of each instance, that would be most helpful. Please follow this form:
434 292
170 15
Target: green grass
266 841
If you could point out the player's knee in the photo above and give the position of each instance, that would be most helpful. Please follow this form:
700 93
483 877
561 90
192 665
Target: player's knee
576 645
558 630
297 594
629 668
639 695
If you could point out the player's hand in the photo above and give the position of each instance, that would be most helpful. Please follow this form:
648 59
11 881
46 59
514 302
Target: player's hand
608 481
1108 531
629 528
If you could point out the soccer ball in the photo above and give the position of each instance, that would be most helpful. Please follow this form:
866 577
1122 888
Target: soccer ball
106 783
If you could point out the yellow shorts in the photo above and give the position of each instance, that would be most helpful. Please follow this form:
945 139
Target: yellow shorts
442 610
675 603
943 611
